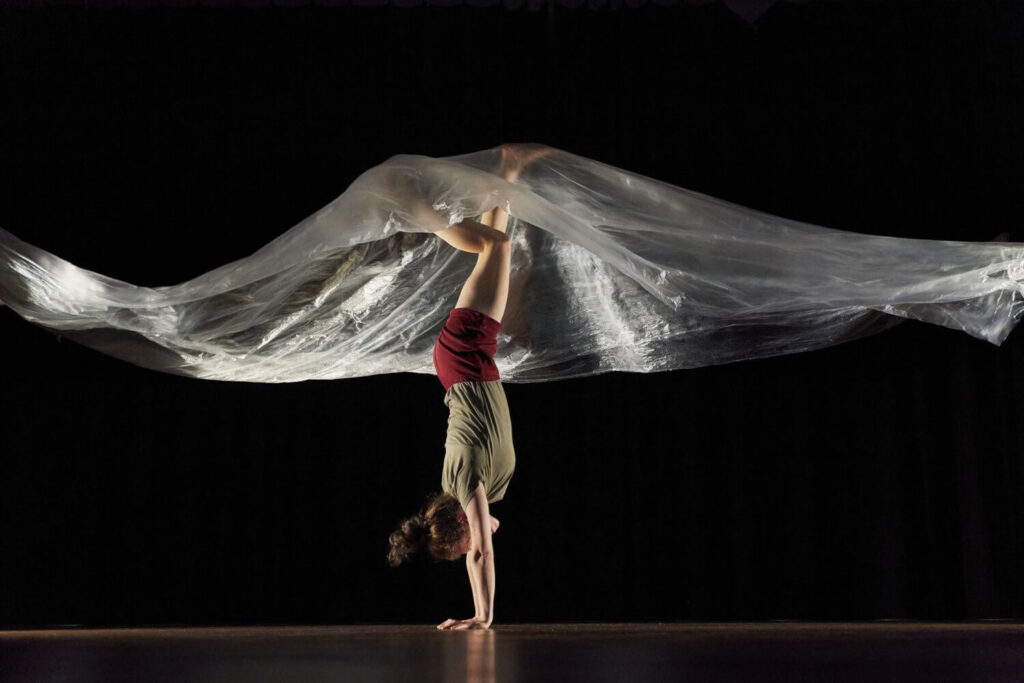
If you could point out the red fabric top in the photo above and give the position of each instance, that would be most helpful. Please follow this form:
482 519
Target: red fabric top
465 348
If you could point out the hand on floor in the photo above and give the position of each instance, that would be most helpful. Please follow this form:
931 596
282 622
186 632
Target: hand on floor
462 625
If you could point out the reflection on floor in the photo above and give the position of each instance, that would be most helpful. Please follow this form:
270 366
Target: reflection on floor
775 651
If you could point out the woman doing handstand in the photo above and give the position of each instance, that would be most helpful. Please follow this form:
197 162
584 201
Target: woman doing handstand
479 456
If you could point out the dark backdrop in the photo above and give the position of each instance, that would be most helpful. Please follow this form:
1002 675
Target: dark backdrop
882 478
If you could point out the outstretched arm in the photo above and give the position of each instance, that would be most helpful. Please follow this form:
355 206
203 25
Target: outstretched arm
479 565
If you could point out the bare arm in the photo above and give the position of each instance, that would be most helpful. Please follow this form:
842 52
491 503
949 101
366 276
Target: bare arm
480 558
474 582
479 565
474 585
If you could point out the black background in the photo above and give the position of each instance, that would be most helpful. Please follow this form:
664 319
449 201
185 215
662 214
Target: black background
882 478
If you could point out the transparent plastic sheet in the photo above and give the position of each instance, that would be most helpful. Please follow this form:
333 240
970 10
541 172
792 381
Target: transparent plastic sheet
611 271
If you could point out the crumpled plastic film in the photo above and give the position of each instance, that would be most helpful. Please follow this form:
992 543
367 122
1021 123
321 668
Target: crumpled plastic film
611 271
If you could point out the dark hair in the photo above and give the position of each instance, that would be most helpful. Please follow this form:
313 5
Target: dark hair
437 527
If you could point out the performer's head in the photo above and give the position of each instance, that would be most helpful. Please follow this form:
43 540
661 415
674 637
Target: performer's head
440 527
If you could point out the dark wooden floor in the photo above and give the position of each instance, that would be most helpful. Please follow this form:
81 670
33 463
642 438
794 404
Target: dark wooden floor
510 652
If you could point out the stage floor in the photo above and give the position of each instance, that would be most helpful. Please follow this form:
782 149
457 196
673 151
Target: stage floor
773 651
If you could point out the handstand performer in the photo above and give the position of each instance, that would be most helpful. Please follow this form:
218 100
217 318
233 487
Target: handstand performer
479 456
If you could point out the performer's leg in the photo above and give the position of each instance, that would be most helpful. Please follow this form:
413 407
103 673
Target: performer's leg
486 288
487 218
496 218
470 236
514 158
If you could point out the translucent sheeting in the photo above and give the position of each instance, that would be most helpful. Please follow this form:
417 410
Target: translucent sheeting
610 271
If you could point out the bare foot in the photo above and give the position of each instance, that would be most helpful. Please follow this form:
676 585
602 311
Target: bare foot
514 158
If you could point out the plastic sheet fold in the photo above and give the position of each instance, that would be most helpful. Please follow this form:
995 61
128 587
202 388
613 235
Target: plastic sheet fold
611 271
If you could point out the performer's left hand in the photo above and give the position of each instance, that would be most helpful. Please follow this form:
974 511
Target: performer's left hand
462 625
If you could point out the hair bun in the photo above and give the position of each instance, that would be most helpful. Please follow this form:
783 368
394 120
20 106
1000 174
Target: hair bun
408 539
415 529
436 529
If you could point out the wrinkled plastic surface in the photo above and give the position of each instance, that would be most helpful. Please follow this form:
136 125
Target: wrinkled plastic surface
610 271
